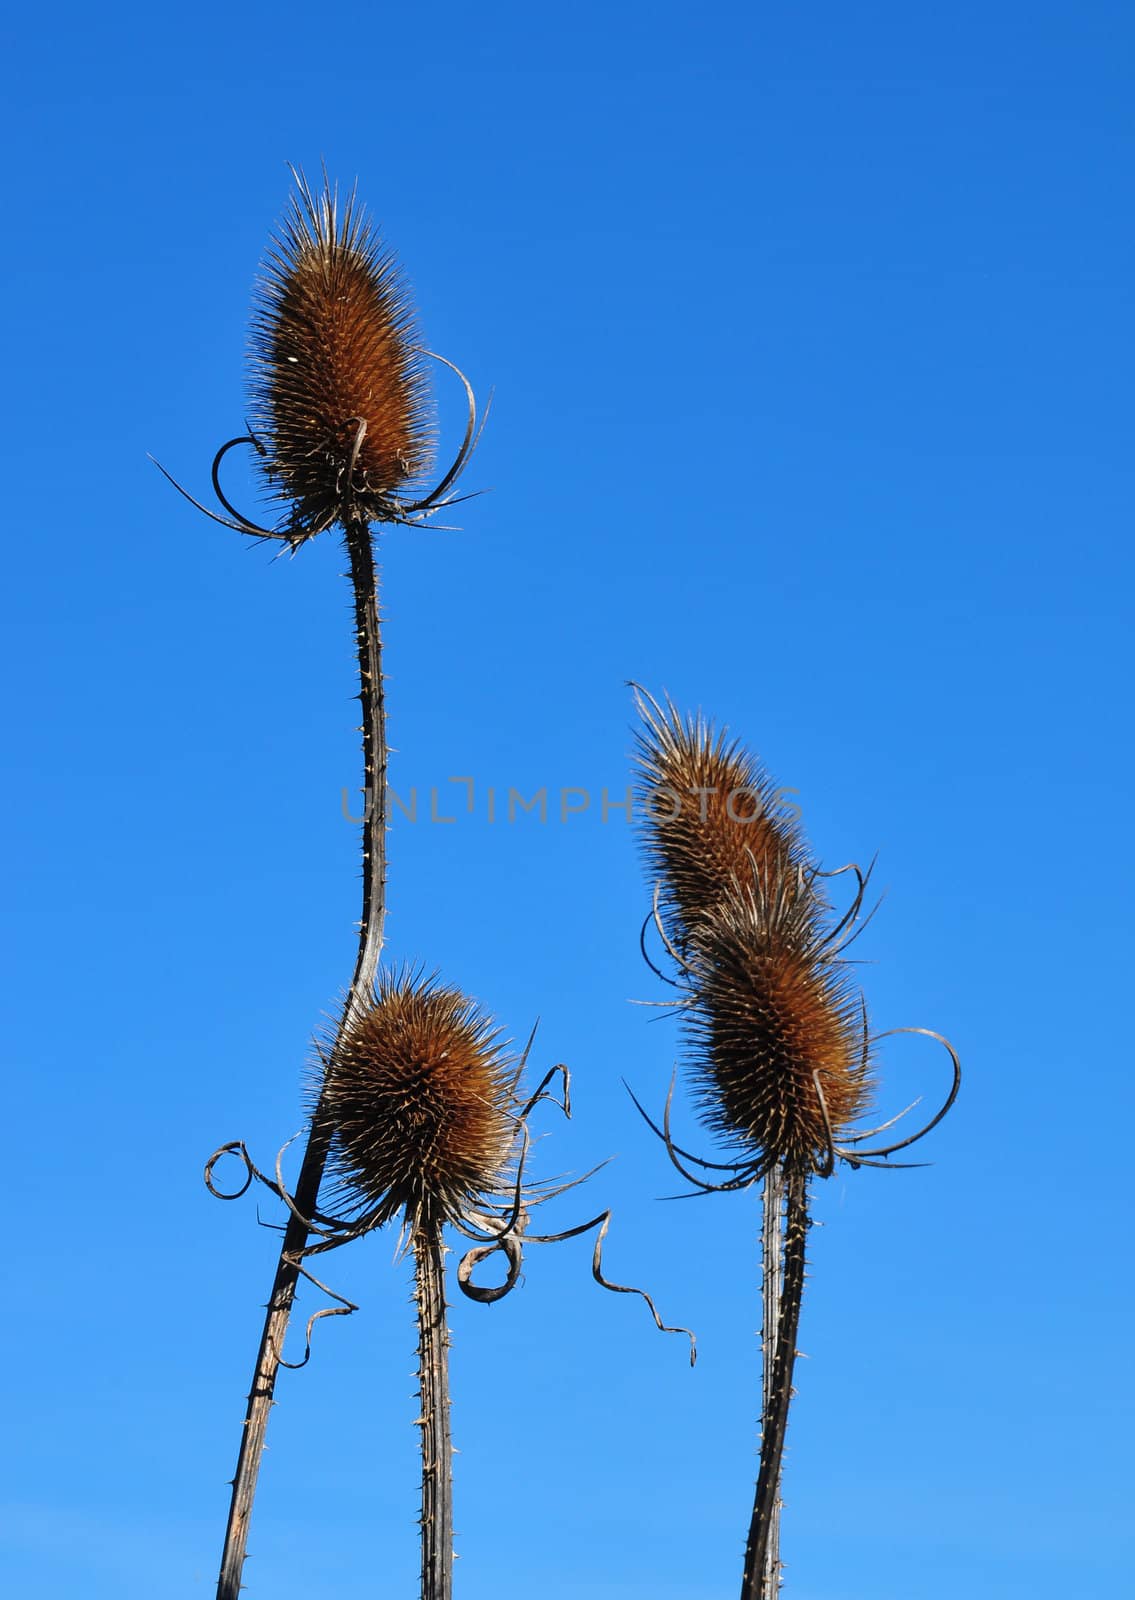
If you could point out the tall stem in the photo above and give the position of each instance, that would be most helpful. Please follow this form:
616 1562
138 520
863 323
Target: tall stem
368 638
772 1275
778 1394
437 1445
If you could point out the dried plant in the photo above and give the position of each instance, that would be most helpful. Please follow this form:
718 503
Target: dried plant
421 1100
342 434
777 1034
778 1040
711 811
337 383
429 1128
338 390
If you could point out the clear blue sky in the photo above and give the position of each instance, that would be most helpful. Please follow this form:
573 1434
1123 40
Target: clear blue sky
811 332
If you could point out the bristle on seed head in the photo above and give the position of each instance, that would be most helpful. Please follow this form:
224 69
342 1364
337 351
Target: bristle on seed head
339 400
774 1014
419 1096
711 816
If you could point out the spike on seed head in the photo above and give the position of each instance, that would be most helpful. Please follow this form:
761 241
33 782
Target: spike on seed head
338 393
711 815
773 1012
419 1095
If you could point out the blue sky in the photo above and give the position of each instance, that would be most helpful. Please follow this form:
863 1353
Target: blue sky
810 329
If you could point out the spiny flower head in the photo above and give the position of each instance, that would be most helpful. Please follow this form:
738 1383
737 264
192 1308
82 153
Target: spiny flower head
420 1098
338 394
777 1029
712 816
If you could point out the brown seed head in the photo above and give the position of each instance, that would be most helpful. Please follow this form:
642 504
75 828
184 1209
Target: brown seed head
333 349
419 1095
711 815
771 1007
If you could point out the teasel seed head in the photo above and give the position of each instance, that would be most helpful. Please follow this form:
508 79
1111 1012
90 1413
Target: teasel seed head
773 1014
339 401
419 1093
711 816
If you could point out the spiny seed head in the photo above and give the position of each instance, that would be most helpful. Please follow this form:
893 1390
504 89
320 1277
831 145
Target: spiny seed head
711 814
334 347
419 1095
771 1007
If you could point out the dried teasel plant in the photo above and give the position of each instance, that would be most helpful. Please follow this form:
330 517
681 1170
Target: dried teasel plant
342 433
430 1129
711 810
778 1040
342 425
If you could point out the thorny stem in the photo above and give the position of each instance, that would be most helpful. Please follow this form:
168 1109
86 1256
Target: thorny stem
368 638
754 1584
772 1271
437 1445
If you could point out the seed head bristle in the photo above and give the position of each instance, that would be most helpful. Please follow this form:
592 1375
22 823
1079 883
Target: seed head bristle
419 1094
334 345
711 816
771 1007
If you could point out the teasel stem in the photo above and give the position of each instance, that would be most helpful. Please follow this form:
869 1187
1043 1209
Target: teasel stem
368 638
761 1558
433 1384
772 1277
